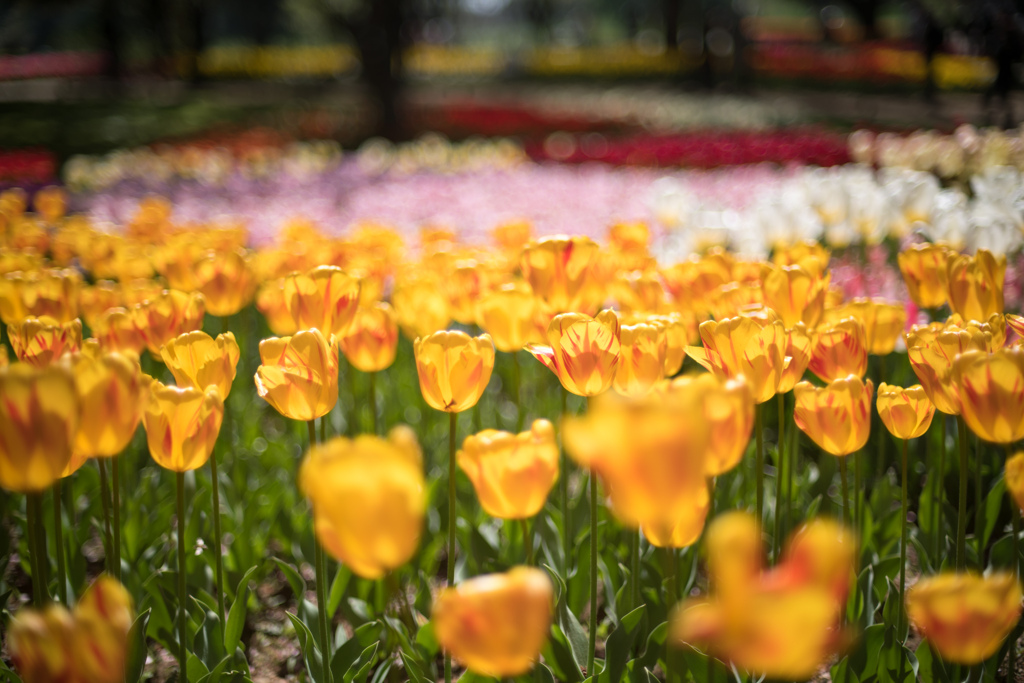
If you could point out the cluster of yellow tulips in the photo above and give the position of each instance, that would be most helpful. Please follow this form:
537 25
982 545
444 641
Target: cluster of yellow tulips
656 443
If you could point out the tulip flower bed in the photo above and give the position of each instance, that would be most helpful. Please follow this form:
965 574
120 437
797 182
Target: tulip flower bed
336 450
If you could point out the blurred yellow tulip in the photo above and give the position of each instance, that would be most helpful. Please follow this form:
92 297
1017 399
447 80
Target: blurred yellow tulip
906 413
111 396
168 315
368 499
752 347
226 279
965 617
558 270
40 644
512 473
182 424
371 341
924 268
52 293
299 374
496 624
643 348
39 417
798 351
796 294
270 302
509 314
97 299
812 256
991 390
583 352
729 411
837 416
883 322
198 360
421 305
116 331
42 341
976 284
453 369
324 298
1015 478
839 350
932 350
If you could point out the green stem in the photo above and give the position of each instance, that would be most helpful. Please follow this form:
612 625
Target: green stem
453 423
563 494
858 493
517 386
182 596
354 415
882 433
961 522
939 489
671 574
793 454
1015 520
634 567
37 549
779 478
105 497
115 468
373 402
68 497
217 536
591 651
979 506
845 488
759 465
901 623
58 530
527 541
321 589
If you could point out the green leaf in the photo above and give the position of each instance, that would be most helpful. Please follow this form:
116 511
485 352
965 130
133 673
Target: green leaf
655 647
216 672
236 614
349 653
993 505
569 625
337 592
307 645
427 640
930 667
195 668
558 653
862 661
412 669
894 657
360 668
135 659
294 578
620 642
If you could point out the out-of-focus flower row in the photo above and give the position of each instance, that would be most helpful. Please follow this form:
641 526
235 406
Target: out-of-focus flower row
966 152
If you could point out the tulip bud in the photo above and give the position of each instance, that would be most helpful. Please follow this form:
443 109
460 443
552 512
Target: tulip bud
325 298
558 270
168 315
42 341
837 417
883 322
368 500
496 624
96 300
744 346
839 350
110 392
797 295
103 617
798 354
932 350
115 330
299 374
991 391
906 413
372 338
512 473
811 256
583 352
453 369
197 360
40 644
976 285
924 268
421 305
509 315
226 280
642 353
182 424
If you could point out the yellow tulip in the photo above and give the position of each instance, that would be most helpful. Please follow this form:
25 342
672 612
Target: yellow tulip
643 348
421 305
796 294
906 413
932 350
372 338
509 314
103 617
40 644
812 256
116 331
991 390
798 350
681 532
976 285
680 331
693 282
754 348
837 417
198 360
39 417
97 299
924 268
638 291
965 617
558 270
182 424
110 392
324 298
368 499
270 302
583 352
839 350
1016 323
42 341
729 412
883 322
52 293
226 279
496 624
1015 478
730 300
995 325
299 374
468 281
512 473
168 315
453 369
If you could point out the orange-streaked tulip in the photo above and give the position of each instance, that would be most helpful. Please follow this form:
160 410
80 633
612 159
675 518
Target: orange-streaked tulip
883 322
453 369
299 374
796 294
995 325
111 395
976 285
729 300
182 424
39 418
558 270
371 340
798 350
368 499
52 293
198 360
1016 323
42 341
270 302
839 350
651 453
168 315
965 617
924 268
421 305
643 348
496 624
512 473
467 282
116 331
324 298
583 352
751 347
693 282
41 644
682 532
906 413
837 417
103 617
729 411
932 352
991 390
509 314
679 332
226 279
1015 478
639 291
810 255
